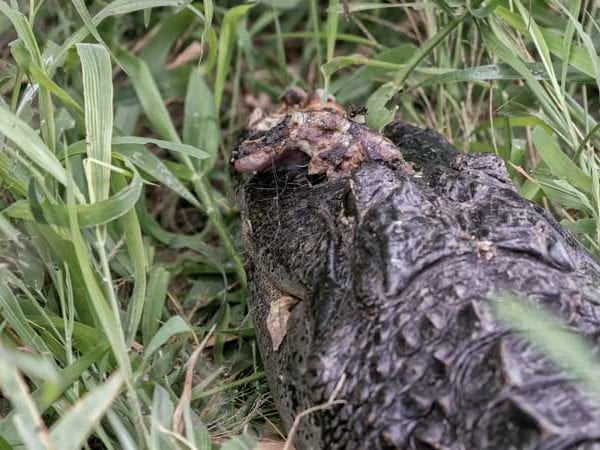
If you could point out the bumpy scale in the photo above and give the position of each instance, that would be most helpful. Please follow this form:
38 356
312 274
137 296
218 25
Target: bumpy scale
372 264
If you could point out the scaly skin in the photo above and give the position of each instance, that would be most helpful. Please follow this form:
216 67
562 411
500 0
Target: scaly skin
390 266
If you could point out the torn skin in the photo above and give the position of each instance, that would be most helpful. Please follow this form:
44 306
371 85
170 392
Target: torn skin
303 124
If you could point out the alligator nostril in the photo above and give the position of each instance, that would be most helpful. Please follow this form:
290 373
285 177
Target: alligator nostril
316 179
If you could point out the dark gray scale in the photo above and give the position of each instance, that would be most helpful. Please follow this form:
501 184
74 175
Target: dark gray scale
393 269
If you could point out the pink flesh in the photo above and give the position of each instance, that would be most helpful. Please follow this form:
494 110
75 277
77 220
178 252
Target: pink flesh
259 162
253 163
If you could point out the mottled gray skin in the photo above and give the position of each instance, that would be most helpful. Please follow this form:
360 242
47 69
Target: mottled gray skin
394 270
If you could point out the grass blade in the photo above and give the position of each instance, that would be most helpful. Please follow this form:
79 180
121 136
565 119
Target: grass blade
578 58
157 291
425 50
240 443
87 19
12 312
155 110
98 94
560 165
496 47
156 52
499 72
175 325
24 137
542 48
71 431
592 55
137 257
227 37
331 31
148 95
201 123
154 166
381 116
114 8
566 349
99 213
26 417
161 419
108 315
26 62
51 390
191 150
125 440
25 33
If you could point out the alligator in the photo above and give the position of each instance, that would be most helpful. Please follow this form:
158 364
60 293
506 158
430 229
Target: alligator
374 260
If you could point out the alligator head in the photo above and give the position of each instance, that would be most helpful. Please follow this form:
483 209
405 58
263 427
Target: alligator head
372 260
313 130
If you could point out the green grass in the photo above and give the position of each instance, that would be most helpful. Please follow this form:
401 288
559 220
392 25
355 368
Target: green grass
122 291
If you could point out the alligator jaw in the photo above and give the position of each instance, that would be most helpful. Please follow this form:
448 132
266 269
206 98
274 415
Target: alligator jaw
333 143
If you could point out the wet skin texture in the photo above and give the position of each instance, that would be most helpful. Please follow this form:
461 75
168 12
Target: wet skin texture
391 267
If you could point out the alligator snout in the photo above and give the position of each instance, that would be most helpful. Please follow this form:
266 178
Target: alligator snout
333 143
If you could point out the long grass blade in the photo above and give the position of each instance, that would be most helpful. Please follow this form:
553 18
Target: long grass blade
26 417
229 27
27 140
566 349
115 8
99 213
201 123
51 390
137 257
25 33
157 290
71 431
559 163
98 94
